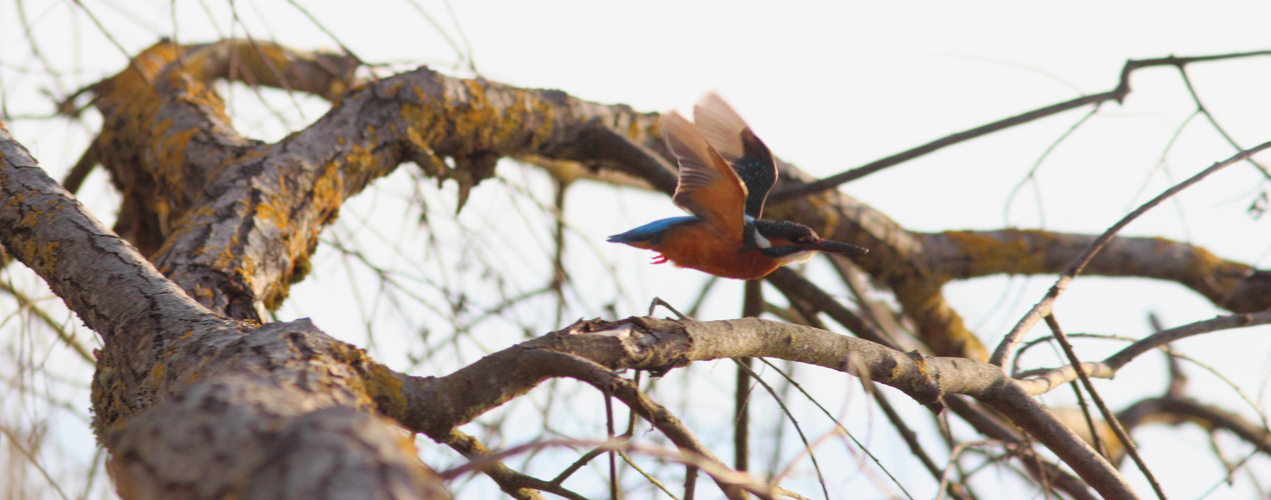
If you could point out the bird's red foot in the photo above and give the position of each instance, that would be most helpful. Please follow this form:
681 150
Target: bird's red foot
660 259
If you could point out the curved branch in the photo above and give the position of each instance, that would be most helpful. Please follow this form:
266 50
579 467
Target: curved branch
970 254
233 221
1043 307
1040 381
1175 410
652 344
434 406
47 229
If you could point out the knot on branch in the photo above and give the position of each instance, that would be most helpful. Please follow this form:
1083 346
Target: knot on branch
470 170
925 388
651 344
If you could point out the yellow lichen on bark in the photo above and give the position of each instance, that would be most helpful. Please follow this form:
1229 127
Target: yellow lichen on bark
43 258
170 152
1210 271
276 215
472 116
385 390
983 253
32 217
328 192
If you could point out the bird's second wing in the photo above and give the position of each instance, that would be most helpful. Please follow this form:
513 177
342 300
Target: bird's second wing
725 131
707 187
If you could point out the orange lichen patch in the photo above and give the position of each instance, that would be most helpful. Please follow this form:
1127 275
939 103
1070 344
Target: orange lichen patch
42 258
228 259
347 354
386 390
299 270
477 115
526 115
328 192
131 92
633 130
475 122
361 160
156 374
986 254
196 92
421 130
111 408
32 217
1211 275
170 152
278 216
139 127
149 62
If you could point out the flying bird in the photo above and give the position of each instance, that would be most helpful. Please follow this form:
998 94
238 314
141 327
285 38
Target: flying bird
725 175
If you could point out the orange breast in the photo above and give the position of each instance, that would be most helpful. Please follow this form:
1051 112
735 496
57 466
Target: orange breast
705 248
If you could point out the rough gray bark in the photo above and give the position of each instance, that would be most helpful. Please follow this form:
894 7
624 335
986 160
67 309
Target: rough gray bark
192 404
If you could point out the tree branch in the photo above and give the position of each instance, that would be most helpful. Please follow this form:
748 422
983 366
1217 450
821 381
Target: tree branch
1116 94
970 254
652 344
1041 381
179 388
1043 307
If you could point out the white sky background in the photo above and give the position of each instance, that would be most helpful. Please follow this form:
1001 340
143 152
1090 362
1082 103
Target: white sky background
828 89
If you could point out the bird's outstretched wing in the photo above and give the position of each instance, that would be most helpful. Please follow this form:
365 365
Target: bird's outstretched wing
737 144
707 187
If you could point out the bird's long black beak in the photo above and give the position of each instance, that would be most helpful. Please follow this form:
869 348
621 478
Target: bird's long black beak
832 246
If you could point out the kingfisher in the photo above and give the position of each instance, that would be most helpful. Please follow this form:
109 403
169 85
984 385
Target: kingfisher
725 175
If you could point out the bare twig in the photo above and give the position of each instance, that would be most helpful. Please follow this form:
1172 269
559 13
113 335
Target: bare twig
1043 308
1117 94
751 307
1042 381
1108 416
793 421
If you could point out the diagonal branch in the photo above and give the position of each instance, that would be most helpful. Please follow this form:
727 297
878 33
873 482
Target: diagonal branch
651 344
1043 308
1117 94
178 387
47 229
1041 381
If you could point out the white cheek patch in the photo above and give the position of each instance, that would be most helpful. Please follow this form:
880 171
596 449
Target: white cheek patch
760 240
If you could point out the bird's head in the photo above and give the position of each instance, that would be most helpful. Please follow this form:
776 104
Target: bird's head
791 242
